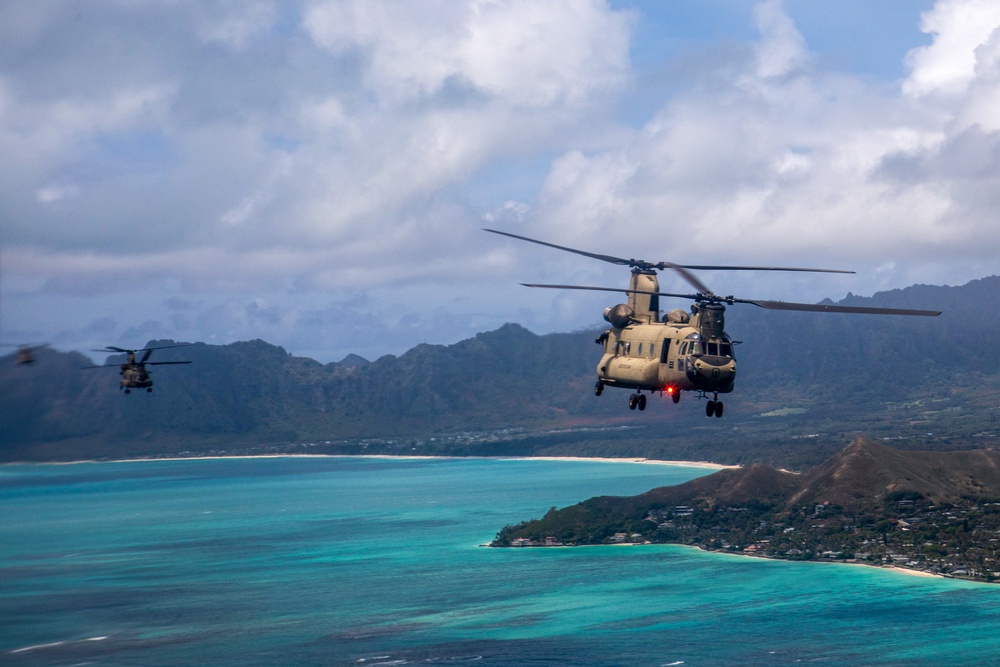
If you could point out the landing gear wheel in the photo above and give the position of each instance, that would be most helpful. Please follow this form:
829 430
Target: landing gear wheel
149 390
642 401
676 396
710 408
718 408
633 401
598 388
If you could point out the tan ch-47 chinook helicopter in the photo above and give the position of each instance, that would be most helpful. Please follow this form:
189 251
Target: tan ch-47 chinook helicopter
133 373
27 354
681 352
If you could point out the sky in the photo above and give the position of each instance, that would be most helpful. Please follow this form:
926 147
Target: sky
317 173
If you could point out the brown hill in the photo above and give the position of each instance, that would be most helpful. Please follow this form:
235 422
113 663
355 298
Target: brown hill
862 474
865 472
729 487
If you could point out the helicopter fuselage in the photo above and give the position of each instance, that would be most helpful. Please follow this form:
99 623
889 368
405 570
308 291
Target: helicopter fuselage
135 376
667 358
680 352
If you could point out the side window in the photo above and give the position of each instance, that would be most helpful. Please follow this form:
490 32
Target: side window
640 349
664 350
652 350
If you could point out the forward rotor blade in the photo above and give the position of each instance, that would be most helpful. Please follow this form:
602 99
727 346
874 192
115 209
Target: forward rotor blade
603 258
166 363
833 308
689 277
769 305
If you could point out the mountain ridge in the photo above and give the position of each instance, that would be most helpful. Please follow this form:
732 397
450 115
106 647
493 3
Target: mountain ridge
807 383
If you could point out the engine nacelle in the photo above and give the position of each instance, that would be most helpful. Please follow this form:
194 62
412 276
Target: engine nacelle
619 316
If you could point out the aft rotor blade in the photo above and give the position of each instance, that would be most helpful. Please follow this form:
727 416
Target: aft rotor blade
603 258
680 269
706 267
146 356
616 289
834 308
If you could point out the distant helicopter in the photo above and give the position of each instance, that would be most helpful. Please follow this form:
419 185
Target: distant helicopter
681 352
133 373
26 354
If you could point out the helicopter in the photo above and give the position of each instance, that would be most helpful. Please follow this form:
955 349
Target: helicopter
133 373
682 351
27 354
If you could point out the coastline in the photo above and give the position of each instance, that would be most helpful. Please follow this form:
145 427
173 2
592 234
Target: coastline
891 568
571 459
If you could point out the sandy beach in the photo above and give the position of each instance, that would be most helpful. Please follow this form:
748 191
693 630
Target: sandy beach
595 459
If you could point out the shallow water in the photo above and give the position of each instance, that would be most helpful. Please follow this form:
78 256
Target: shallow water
337 561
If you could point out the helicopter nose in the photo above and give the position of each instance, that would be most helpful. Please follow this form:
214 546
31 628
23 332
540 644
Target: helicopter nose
715 369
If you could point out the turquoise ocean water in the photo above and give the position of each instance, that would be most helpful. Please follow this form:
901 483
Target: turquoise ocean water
343 561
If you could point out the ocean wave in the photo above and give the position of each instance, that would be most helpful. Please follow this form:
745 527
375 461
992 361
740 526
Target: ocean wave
64 642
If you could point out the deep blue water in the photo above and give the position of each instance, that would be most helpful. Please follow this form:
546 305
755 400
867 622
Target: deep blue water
338 561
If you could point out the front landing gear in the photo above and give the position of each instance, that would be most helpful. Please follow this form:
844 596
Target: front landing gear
714 407
637 401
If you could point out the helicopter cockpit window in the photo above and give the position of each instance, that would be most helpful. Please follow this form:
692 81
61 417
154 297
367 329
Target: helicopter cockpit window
726 349
713 349
696 347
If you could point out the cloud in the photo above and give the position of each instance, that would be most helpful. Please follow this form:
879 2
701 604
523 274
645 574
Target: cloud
283 168
772 159
525 53
963 31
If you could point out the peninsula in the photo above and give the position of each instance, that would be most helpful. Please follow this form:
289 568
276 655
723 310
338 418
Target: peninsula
932 512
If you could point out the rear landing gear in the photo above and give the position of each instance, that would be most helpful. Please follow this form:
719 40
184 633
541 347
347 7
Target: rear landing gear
598 388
